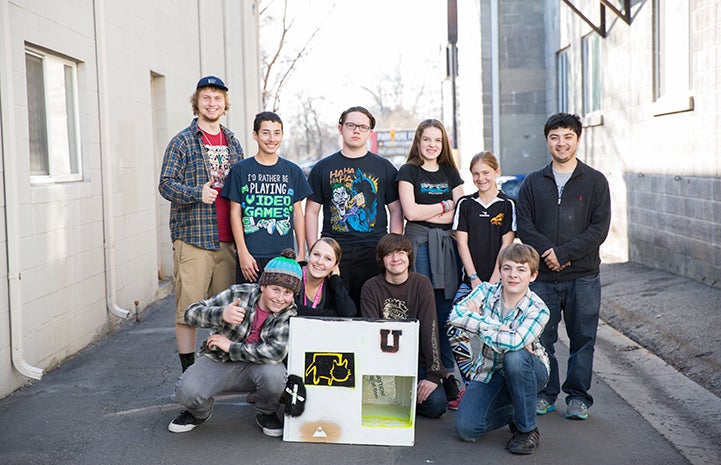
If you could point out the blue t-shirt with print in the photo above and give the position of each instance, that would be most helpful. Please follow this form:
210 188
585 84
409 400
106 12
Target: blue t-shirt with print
266 195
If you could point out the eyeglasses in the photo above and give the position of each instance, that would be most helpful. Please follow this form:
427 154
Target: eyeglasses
360 127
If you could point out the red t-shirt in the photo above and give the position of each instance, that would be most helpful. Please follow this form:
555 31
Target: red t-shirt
219 167
255 325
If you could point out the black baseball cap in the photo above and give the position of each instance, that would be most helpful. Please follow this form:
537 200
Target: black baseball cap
211 81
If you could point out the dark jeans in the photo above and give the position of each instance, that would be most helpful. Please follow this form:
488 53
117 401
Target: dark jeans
240 279
357 266
579 301
443 307
436 403
509 396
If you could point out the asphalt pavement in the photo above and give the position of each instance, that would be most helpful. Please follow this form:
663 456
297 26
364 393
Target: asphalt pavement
111 404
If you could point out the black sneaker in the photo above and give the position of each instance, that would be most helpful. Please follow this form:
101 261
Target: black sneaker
185 422
450 385
524 443
270 424
514 430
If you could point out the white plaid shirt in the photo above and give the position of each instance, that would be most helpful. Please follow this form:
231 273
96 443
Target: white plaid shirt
526 322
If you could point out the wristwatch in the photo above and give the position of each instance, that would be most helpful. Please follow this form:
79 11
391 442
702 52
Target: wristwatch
472 277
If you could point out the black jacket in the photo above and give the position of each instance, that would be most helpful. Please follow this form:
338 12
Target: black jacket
574 226
335 301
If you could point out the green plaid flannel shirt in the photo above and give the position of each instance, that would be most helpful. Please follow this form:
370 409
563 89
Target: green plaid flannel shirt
273 345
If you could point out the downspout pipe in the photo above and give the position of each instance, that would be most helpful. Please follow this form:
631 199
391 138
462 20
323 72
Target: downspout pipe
106 163
12 211
227 43
495 79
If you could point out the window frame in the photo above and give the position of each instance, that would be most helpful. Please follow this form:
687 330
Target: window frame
563 80
62 144
671 27
591 73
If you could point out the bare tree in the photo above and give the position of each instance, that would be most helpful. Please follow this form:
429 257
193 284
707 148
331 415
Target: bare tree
399 106
311 136
279 62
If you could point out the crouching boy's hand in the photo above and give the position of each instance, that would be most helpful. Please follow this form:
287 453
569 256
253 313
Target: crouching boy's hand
425 389
218 341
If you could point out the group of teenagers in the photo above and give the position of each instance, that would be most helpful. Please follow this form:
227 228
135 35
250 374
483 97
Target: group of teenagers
488 277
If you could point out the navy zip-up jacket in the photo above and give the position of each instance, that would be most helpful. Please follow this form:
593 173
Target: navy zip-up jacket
575 225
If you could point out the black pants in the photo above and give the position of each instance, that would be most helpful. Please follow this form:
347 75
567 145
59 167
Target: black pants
357 266
240 279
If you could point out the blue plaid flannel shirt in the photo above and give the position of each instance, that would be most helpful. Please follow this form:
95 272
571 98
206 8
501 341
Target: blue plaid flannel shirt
183 173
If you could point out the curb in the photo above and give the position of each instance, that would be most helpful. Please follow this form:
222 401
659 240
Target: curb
682 411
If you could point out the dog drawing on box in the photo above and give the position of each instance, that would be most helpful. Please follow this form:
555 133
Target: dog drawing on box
328 368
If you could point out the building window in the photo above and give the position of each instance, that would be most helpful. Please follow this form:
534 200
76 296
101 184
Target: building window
563 77
53 125
591 73
671 56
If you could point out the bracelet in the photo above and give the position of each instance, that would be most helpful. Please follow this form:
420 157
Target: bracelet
445 205
472 277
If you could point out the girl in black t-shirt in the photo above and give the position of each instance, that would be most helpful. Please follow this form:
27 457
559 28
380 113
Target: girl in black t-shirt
489 217
429 185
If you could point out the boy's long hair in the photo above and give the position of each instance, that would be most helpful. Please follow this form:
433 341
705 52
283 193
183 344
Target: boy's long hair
391 243
194 99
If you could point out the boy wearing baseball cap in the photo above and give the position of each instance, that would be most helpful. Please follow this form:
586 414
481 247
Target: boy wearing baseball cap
195 165
246 349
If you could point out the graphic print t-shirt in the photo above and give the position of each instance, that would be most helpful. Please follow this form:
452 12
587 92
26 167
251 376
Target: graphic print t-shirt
485 225
354 193
218 158
266 195
430 187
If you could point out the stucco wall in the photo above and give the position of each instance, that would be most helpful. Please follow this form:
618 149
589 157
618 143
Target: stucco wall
138 63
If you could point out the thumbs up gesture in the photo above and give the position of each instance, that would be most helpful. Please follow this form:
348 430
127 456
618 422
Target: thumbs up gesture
233 314
209 194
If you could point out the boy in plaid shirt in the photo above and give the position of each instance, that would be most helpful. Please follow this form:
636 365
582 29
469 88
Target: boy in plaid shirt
512 366
246 349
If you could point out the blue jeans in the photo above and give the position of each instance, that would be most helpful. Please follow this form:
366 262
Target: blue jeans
436 404
443 307
580 301
509 396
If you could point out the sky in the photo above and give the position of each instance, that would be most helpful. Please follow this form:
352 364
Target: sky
361 44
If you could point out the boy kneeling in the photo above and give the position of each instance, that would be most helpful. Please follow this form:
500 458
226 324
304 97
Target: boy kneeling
512 366
245 352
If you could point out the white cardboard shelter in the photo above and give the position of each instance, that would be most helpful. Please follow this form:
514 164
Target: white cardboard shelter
360 379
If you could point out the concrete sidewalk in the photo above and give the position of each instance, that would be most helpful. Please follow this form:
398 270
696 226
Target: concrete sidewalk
676 318
669 367
110 405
